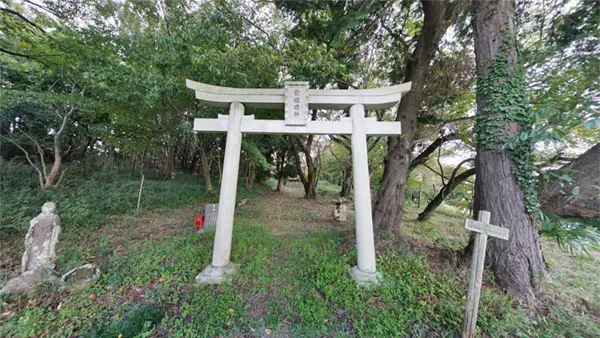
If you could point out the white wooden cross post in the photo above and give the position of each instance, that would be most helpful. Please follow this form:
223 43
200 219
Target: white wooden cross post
483 228
296 99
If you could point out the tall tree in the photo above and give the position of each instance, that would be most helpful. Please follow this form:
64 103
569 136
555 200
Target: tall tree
437 17
504 183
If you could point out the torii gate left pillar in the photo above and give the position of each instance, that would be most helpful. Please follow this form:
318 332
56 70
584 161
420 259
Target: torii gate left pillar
297 99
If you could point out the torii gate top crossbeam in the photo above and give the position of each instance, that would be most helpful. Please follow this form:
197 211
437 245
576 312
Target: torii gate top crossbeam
378 98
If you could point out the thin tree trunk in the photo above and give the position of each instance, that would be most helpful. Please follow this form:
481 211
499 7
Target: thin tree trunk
280 165
454 182
251 175
205 167
310 180
518 262
347 181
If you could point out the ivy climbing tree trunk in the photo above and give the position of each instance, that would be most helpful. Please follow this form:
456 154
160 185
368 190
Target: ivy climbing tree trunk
504 179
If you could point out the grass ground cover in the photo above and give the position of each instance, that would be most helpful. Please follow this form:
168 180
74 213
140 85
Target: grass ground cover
293 281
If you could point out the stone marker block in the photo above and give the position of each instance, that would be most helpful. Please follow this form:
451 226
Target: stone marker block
210 216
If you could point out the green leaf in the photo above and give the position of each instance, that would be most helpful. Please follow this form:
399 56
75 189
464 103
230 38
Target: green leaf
575 191
591 124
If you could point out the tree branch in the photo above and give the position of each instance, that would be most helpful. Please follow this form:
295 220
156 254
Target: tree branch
61 177
372 146
29 56
22 17
423 156
440 163
460 165
39 150
40 175
433 170
340 142
445 122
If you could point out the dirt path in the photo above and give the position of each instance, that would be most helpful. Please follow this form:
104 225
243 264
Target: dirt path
289 213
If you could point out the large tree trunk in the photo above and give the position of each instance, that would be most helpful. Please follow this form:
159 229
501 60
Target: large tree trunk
389 208
517 263
454 182
310 180
558 198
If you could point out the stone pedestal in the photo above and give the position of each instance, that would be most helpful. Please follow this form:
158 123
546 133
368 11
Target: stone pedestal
217 274
365 278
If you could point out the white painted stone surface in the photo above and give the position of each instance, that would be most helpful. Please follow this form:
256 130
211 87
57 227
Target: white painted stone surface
357 125
231 166
377 98
296 103
365 245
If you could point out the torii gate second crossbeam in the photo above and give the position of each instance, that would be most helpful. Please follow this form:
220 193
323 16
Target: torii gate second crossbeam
296 99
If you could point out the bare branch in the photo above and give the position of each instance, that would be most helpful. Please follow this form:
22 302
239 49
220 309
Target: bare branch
39 150
455 171
40 175
339 141
60 178
423 156
433 170
440 163
372 146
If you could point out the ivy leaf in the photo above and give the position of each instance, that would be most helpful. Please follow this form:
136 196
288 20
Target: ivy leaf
523 136
575 191
591 124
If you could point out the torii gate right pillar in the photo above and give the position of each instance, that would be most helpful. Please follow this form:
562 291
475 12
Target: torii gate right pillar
365 271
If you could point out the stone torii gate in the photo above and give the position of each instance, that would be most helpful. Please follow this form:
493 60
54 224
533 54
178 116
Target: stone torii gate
296 99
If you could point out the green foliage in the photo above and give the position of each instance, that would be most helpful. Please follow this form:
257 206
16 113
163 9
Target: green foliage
86 202
505 109
291 286
135 320
574 235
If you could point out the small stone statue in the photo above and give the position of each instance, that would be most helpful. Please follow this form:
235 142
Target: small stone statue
340 211
41 239
37 264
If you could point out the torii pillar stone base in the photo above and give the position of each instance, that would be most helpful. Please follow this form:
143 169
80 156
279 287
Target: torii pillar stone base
217 274
364 278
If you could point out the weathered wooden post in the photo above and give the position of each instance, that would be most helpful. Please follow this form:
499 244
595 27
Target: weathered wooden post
483 228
